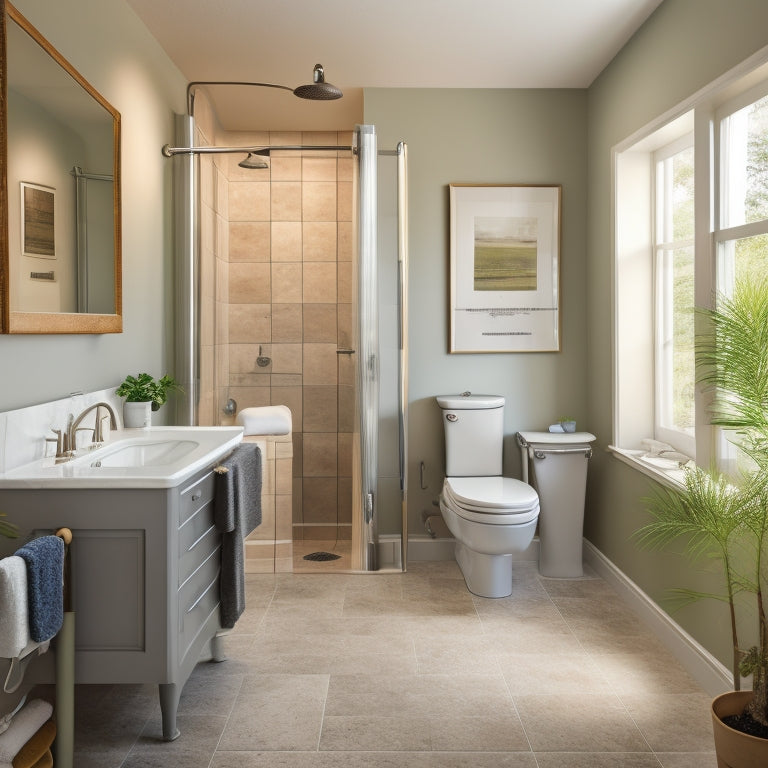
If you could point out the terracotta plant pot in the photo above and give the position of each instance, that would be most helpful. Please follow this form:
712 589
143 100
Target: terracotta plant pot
736 749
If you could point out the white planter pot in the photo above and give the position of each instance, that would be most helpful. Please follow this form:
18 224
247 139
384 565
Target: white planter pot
137 415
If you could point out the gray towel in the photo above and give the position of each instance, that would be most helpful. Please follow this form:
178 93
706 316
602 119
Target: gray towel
236 512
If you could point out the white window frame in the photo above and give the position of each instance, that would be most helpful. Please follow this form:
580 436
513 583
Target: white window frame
663 244
724 235
634 280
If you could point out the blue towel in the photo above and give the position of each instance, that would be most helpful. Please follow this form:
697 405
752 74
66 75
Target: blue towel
44 557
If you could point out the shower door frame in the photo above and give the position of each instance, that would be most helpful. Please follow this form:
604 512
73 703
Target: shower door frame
186 217
367 368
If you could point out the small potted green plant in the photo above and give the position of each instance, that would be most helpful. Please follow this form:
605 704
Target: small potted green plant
143 394
567 423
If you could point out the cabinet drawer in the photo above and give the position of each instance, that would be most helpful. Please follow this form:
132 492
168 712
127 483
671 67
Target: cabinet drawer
198 596
198 549
195 497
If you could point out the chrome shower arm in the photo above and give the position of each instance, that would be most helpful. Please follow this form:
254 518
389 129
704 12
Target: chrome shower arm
192 87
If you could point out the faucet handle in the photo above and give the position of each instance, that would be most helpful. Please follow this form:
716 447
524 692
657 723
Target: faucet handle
56 441
62 443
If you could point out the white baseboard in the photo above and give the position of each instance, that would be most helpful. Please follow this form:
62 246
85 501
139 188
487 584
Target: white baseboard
427 548
711 675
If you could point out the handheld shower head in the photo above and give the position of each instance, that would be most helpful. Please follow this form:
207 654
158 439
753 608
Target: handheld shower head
318 89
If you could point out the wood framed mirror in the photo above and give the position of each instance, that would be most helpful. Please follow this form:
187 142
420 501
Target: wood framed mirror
60 228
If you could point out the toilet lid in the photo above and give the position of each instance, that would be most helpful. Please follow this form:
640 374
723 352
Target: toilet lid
492 495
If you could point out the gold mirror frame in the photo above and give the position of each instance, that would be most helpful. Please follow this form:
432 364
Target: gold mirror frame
51 322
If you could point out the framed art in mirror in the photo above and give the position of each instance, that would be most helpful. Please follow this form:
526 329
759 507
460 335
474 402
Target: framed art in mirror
60 228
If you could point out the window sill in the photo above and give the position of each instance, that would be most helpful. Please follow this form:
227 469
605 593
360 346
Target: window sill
669 476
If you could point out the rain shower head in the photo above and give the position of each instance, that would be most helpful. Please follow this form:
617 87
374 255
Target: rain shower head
318 89
255 160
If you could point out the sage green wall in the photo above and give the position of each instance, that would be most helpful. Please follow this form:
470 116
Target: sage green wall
485 137
112 49
683 46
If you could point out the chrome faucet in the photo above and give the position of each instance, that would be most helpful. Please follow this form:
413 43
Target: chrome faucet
66 439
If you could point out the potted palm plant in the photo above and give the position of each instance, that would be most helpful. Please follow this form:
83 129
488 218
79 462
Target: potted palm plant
726 518
143 394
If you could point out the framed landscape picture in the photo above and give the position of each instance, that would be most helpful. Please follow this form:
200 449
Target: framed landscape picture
505 268
37 224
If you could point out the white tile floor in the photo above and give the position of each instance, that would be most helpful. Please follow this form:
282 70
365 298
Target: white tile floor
396 670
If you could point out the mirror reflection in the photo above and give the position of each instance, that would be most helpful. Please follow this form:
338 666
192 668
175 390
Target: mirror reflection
62 170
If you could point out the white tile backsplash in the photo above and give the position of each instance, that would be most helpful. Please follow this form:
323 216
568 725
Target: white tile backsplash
23 431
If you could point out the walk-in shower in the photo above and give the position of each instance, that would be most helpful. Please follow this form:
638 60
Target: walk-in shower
335 335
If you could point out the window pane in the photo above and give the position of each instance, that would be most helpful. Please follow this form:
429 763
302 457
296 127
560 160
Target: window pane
745 165
682 195
745 258
683 374
677 360
751 257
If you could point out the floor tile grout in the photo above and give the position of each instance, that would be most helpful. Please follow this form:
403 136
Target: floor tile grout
411 669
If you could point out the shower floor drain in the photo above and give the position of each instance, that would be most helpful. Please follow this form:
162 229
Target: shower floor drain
321 556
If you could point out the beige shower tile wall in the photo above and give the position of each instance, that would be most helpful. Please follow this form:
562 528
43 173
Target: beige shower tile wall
276 272
269 548
289 293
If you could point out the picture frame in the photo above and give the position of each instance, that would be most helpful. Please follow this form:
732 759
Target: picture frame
504 268
38 232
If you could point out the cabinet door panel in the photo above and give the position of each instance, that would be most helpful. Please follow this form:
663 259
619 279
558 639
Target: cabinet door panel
108 589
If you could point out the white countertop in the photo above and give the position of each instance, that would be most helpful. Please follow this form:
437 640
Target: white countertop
202 446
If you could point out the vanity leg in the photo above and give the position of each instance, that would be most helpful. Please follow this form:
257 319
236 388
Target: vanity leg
217 648
169 703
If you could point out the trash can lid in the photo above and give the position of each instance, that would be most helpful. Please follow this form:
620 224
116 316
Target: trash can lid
560 438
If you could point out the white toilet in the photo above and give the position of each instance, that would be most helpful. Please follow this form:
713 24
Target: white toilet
490 516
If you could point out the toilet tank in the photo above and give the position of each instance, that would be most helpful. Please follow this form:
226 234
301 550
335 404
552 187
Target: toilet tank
474 434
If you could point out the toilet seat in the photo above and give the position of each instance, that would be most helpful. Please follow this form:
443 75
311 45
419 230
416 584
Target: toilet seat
492 500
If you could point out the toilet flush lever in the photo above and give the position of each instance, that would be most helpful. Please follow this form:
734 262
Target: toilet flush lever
451 417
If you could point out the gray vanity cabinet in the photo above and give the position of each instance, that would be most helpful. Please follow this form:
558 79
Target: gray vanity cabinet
145 565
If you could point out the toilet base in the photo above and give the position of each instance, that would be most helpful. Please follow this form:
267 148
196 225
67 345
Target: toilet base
485 575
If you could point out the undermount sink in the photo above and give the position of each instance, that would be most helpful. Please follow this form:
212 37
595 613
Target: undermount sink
156 457
143 453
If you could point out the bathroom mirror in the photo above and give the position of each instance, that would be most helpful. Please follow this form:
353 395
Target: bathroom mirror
60 262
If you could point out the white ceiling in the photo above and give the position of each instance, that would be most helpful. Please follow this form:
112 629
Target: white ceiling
396 43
